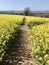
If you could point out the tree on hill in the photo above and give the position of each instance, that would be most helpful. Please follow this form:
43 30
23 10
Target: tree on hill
27 11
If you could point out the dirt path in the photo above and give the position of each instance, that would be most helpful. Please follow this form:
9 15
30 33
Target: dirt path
20 51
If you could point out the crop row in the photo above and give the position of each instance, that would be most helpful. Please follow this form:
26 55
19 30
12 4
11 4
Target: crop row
39 33
7 31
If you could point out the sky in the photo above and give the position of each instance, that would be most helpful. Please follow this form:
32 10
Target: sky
35 5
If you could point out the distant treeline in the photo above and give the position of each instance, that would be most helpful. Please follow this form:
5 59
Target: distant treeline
26 13
41 14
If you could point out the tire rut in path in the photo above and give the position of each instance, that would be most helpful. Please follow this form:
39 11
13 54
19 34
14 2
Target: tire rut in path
20 52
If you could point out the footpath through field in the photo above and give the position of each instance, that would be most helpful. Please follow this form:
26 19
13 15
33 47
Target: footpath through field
20 52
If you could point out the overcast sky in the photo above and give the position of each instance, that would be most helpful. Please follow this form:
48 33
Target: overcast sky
21 4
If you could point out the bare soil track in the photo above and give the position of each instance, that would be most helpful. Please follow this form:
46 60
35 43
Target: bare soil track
20 51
